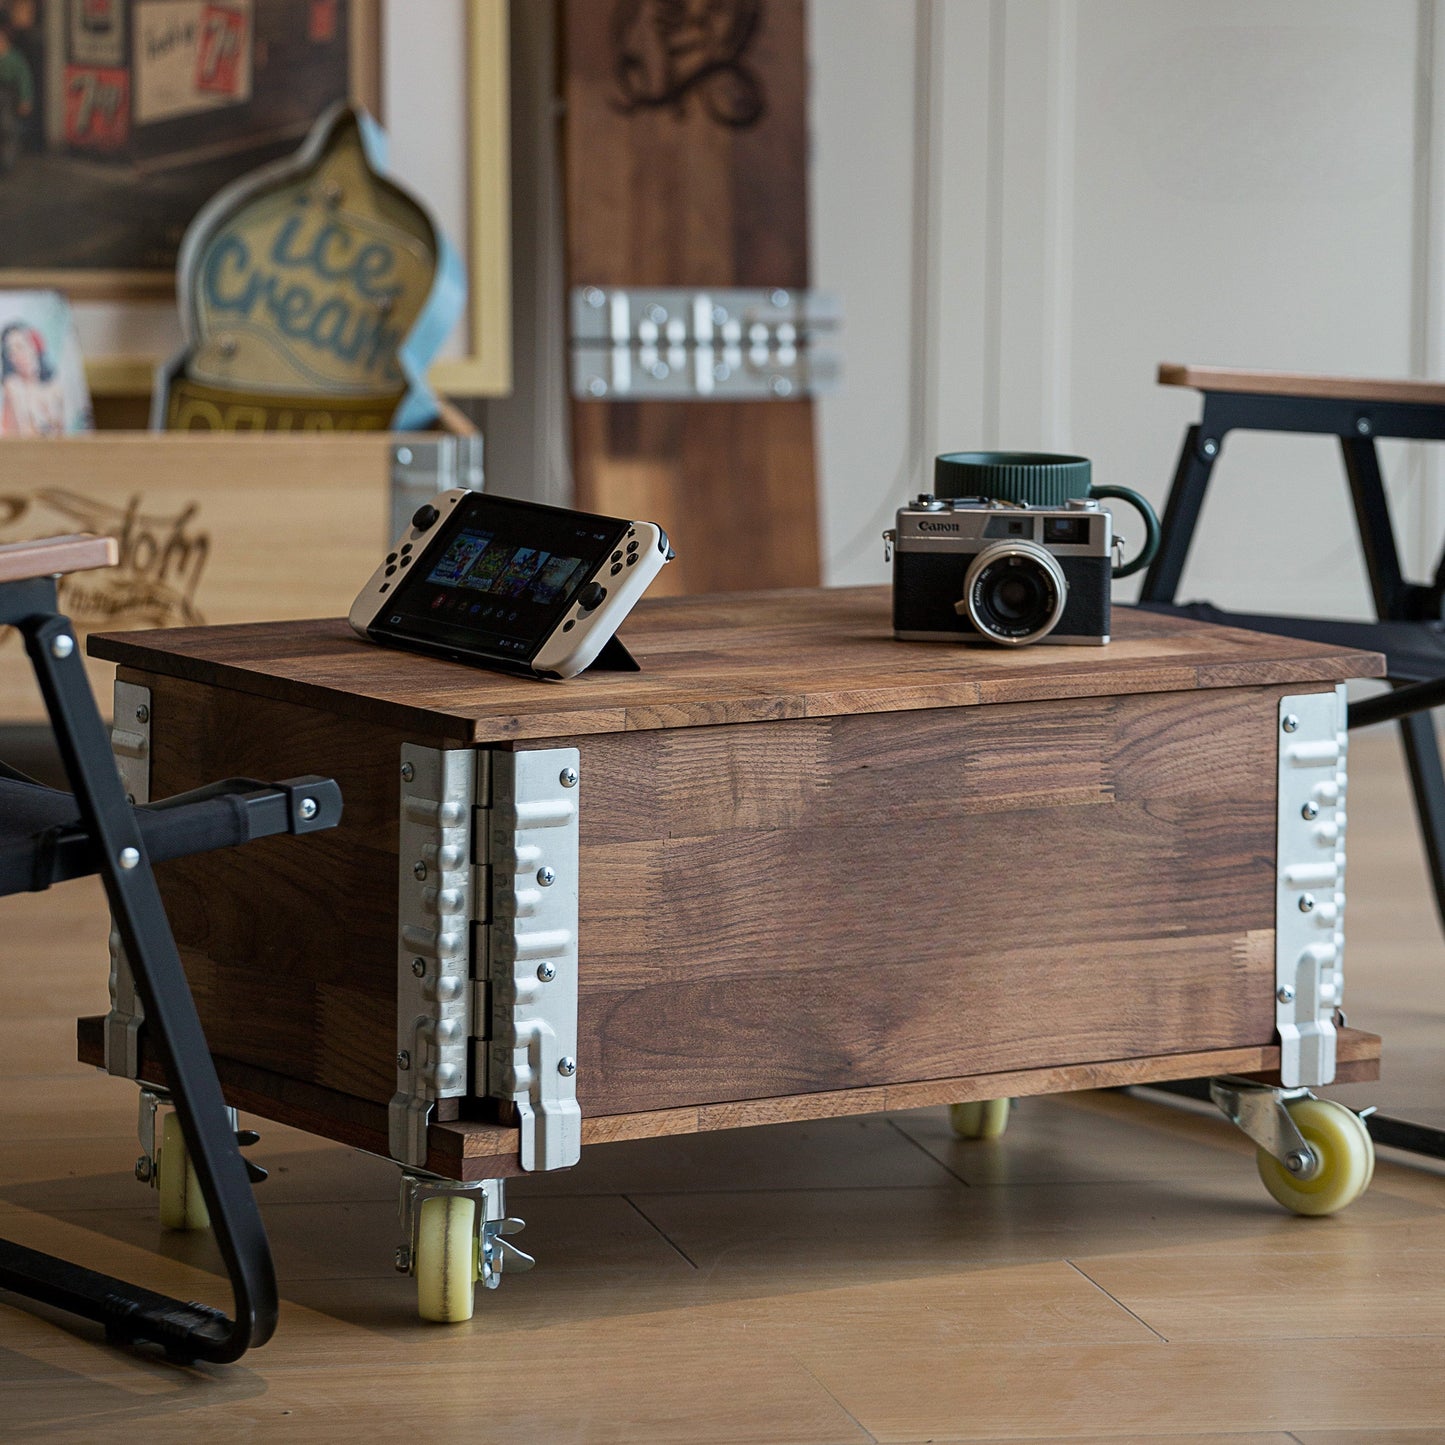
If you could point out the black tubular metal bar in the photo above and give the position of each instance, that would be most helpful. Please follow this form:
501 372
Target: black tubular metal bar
1226 411
1402 1134
1422 757
1377 533
1401 702
1181 516
186 1331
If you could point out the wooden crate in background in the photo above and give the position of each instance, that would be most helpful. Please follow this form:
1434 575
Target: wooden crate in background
211 529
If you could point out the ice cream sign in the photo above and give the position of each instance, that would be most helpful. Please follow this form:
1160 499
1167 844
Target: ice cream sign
318 284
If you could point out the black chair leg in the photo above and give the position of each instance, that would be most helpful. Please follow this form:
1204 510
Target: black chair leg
186 1331
1181 516
1422 756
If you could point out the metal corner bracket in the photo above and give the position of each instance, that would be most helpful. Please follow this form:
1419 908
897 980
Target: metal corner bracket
529 983
1310 876
434 924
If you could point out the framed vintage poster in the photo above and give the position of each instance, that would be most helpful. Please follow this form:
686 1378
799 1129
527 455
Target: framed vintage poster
120 118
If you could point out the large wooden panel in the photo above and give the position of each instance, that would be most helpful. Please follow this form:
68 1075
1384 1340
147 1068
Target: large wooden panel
687 166
216 529
815 905
724 659
289 943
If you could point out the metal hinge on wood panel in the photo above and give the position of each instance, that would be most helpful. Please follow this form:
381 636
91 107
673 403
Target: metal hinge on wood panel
722 344
130 742
526 988
1310 889
434 925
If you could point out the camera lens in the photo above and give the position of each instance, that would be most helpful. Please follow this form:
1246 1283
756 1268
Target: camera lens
1014 593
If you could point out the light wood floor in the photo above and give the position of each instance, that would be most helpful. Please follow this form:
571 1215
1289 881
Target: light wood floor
1112 1270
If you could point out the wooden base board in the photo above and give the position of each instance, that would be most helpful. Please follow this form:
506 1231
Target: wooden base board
466 1149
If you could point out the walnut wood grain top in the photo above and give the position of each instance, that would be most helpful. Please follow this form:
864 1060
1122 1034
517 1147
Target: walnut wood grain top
1295 383
50 556
726 658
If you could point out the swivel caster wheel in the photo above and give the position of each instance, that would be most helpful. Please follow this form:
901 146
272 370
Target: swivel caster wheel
1346 1153
182 1204
446 1258
982 1119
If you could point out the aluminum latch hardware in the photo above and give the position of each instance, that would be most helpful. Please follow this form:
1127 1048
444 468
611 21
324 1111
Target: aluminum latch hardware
434 924
724 344
529 1057
1310 888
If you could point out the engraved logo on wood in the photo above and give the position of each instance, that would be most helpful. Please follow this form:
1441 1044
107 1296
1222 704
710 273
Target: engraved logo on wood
665 50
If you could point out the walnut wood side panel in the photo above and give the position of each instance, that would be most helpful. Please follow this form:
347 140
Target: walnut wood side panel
469 1150
289 943
668 194
815 905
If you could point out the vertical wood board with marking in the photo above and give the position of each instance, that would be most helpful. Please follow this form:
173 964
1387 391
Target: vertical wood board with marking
685 162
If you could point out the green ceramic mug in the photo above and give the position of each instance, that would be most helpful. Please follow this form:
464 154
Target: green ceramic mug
1039 479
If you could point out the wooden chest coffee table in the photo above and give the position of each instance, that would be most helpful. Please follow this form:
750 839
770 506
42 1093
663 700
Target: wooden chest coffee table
792 868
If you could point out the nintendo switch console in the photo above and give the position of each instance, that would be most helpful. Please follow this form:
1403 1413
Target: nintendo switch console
503 583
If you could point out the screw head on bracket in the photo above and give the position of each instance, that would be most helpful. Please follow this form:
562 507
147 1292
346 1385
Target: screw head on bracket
1306 903
62 646
567 1066
407 772
546 972
418 870
1290 723
129 858
308 809
403 1060
1284 993
1210 448
142 714
418 967
1309 812
568 777
1363 426
546 877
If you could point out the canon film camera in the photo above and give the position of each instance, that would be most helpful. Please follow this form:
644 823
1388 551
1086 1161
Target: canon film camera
973 569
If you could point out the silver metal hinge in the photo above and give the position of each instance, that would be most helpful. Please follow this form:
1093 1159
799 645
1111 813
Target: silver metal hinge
422 466
723 344
130 742
527 988
1310 890
434 925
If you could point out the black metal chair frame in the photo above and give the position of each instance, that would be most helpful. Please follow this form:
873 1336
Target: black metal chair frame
1398 602
115 847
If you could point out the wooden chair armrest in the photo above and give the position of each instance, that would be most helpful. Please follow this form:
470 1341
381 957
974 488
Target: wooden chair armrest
21 561
1294 383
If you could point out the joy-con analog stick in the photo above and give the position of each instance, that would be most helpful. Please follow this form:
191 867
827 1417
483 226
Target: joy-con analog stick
593 595
424 517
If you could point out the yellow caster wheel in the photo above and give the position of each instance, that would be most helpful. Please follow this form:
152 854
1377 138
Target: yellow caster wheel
446 1258
983 1119
183 1206
1346 1153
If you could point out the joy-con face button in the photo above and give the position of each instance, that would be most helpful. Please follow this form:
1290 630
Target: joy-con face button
568 625
617 556
391 571
424 517
390 558
616 568
591 597
632 560
632 546
405 549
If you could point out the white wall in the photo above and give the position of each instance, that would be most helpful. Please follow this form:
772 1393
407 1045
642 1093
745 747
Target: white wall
1086 188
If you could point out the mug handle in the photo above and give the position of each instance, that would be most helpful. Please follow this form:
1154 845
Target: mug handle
1151 526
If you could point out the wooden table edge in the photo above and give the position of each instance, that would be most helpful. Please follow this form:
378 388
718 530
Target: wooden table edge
1242 381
